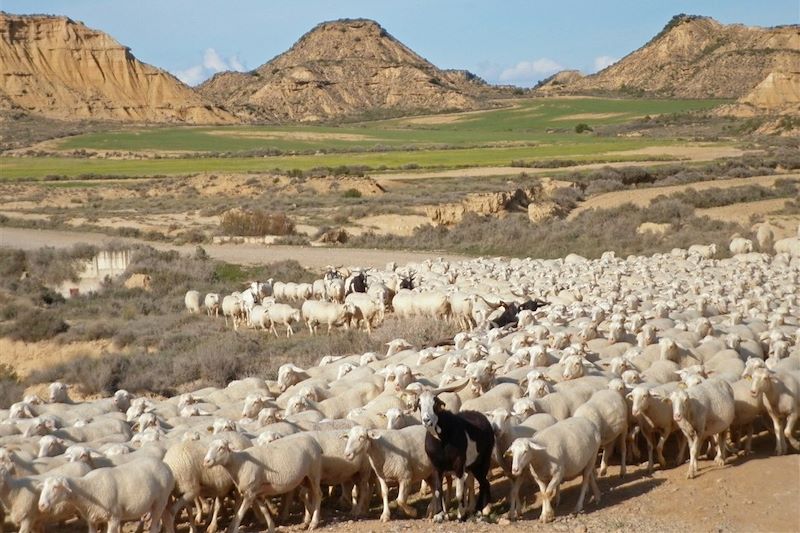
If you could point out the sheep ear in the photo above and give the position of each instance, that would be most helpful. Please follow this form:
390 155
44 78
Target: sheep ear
535 446
381 415
344 436
629 395
682 385
372 434
508 453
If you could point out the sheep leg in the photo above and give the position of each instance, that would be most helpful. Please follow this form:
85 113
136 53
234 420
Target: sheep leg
681 449
780 444
791 420
694 449
460 484
748 446
385 515
547 508
272 329
585 480
286 504
623 451
212 527
114 526
439 497
607 451
719 440
402 500
513 498
316 500
289 331
364 488
247 502
595 488
264 510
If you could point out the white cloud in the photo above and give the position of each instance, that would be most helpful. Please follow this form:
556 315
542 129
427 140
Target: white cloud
602 62
192 75
213 61
530 72
211 64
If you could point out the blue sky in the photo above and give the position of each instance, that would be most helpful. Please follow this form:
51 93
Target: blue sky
504 41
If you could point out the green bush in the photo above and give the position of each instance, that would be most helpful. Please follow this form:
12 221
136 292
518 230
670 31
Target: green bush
583 128
351 193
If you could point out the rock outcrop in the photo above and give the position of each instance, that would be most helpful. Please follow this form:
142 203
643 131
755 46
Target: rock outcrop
59 68
697 57
534 200
343 68
558 83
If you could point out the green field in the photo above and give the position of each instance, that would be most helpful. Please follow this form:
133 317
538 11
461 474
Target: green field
529 129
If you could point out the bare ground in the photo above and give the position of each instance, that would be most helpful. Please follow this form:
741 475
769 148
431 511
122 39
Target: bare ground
642 197
310 257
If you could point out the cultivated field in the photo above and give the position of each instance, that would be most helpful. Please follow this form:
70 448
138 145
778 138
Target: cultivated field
528 130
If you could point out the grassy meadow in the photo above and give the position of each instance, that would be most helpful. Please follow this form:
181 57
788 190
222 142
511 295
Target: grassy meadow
528 129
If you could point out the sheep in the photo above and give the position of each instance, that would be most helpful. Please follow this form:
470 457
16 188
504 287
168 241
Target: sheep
212 303
781 399
336 469
703 251
192 301
283 314
114 495
20 497
559 453
331 314
365 310
608 410
232 307
740 245
396 456
277 468
651 407
747 408
701 411
193 480
505 434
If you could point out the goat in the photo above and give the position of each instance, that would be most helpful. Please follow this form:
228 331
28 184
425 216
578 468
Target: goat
460 443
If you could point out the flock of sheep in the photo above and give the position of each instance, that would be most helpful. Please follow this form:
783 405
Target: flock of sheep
562 365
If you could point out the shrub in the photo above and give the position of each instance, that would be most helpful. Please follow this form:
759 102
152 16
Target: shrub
34 324
351 193
11 389
256 223
583 128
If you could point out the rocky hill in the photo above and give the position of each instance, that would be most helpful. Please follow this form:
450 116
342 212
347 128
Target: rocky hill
58 68
558 83
697 57
341 68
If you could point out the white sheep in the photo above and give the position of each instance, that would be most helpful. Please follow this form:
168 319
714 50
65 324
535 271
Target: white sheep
739 245
701 411
608 411
192 301
559 453
781 398
114 495
212 302
327 313
277 468
396 456
284 315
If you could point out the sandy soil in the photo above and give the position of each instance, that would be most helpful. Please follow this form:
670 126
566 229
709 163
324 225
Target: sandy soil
642 197
293 135
26 357
389 224
783 225
311 257
582 116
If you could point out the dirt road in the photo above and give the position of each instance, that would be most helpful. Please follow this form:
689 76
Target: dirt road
308 256
642 197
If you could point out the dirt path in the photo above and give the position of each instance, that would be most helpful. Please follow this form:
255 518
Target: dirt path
642 197
308 256
691 153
